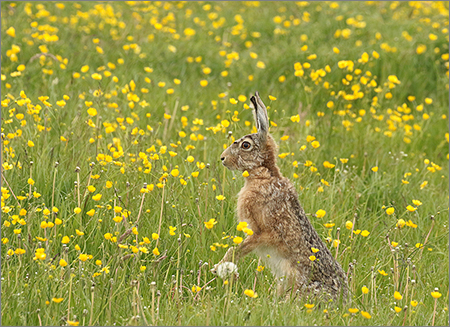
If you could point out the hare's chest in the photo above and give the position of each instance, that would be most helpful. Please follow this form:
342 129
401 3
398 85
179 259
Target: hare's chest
250 210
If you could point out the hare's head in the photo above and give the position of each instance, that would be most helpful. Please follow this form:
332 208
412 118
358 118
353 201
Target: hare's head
253 150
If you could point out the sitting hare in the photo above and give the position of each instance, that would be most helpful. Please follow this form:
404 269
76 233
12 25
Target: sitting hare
282 234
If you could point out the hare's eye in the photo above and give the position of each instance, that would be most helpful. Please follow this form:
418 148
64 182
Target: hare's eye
246 145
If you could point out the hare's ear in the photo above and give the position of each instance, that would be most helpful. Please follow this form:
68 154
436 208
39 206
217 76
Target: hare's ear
260 115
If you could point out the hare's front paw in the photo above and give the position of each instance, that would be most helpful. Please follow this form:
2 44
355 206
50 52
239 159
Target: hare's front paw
225 269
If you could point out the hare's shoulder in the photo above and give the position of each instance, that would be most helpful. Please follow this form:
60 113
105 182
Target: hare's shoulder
266 192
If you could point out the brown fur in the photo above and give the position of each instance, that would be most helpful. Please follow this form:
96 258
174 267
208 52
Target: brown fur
282 234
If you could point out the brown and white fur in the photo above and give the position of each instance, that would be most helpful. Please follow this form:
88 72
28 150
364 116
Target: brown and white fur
282 234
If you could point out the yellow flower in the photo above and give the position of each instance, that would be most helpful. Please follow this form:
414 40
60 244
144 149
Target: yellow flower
73 323
410 208
382 272
92 112
250 293
196 289
295 119
400 223
436 294
83 257
247 231
365 233
245 173
390 211
220 197
365 290
366 314
397 296
397 309
417 202
314 250
320 213
57 300
142 268
260 65
210 224
65 240
79 233
312 257
172 230
62 263
349 224
414 303
40 254
421 48
97 197
353 310
238 240
425 183
77 210
155 251
272 98
155 236
328 164
91 212
375 169
309 305
175 172
30 143
11 31
241 226
393 79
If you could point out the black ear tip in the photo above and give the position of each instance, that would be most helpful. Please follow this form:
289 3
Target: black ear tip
257 93
253 100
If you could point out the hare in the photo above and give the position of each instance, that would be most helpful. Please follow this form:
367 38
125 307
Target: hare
282 234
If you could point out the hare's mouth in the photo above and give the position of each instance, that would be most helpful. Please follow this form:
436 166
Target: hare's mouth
228 163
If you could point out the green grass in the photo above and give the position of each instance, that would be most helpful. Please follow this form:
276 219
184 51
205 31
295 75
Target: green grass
405 137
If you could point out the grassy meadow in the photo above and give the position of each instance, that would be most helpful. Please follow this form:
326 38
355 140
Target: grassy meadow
115 205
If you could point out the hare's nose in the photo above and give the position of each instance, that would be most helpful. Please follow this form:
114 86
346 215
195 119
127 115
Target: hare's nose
222 158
